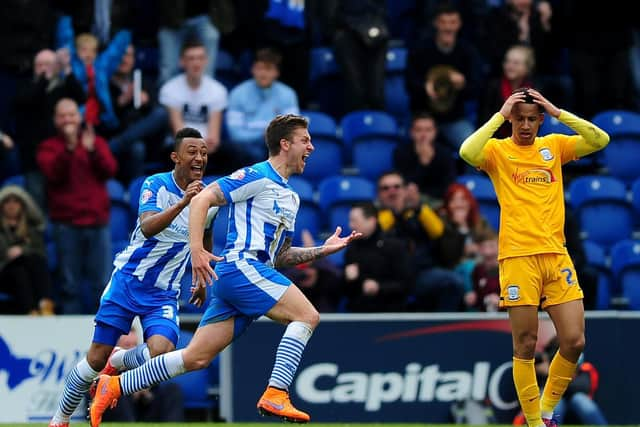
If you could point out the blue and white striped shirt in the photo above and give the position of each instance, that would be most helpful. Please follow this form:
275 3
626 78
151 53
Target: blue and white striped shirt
159 260
262 213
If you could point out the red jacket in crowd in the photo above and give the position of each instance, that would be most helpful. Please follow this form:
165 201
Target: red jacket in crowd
76 181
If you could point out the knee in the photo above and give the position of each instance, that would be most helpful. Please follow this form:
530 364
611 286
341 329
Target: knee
158 348
312 318
573 346
525 345
97 359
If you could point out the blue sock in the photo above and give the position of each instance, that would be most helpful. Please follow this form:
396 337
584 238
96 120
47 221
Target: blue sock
289 353
76 385
134 357
153 372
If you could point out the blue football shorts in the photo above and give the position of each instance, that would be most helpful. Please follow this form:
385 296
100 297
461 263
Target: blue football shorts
246 289
126 297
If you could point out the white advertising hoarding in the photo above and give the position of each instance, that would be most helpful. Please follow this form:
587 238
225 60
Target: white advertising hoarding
36 354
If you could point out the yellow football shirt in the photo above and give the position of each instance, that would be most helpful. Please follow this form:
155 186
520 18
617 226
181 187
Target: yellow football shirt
528 183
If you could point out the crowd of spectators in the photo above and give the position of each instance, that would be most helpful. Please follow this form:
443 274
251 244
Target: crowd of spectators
81 105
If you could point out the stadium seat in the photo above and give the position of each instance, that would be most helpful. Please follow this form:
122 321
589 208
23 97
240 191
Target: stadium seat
363 124
395 92
325 81
134 194
326 159
220 231
147 60
197 385
309 216
15 180
116 191
625 264
635 199
338 193
622 155
602 209
597 259
119 213
553 125
321 125
372 157
482 189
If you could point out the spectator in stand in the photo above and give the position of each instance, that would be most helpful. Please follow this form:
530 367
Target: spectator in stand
183 20
23 263
425 162
318 280
285 26
528 23
464 223
94 70
7 156
77 164
194 99
255 102
599 37
34 104
137 121
26 27
517 69
442 73
360 36
377 276
403 216
485 294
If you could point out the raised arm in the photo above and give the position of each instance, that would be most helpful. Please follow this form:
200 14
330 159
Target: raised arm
471 149
152 223
592 137
294 255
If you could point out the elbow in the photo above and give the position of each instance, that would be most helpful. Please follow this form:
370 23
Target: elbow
466 155
144 229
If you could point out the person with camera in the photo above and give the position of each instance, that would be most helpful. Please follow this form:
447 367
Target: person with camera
34 104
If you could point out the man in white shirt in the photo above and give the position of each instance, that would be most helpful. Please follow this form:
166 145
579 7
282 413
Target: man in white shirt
193 99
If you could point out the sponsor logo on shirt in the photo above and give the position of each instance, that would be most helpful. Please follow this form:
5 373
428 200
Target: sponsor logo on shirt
145 196
546 154
533 176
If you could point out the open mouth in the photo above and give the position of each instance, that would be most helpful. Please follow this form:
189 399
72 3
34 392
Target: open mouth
197 169
305 157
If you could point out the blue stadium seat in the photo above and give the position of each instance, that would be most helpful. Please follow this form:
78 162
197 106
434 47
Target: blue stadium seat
482 189
597 259
326 159
622 155
395 92
302 187
14 180
625 264
553 125
197 385
116 191
147 60
601 206
338 193
220 230
120 222
134 194
321 125
309 216
635 199
374 156
361 124
325 81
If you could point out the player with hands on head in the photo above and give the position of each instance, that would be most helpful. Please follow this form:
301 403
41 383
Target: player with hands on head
146 278
262 215
535 268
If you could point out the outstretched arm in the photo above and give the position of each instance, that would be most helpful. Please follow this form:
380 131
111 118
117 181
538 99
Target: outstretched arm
293 255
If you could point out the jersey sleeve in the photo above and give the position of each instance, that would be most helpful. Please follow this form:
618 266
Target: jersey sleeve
149 201
241 185
565 145
488 156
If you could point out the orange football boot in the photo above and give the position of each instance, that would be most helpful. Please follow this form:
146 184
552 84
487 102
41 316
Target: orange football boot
107 394
275 402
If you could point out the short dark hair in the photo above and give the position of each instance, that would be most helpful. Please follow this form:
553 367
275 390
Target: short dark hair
389 173
528 99
369 210
281 128
190 43
446 8
422 115
268 55
185 133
